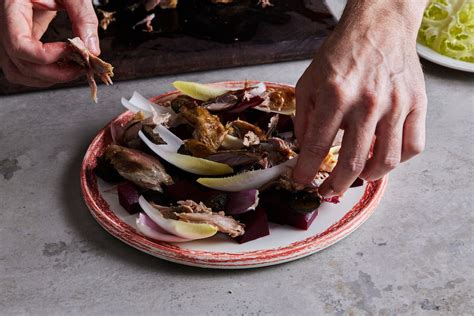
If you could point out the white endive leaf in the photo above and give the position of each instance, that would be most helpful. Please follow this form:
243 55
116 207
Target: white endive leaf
187 163
248 180
175 227
173 142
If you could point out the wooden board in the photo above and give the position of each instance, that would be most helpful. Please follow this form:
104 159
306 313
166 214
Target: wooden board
298 38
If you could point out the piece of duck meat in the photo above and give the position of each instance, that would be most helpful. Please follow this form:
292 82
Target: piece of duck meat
276 151
164 4
225 224
208 129
94 65
143 170
127 135
106 18
222 102
250 139
235 158
189 206
197 148
282 99
145 24
272 125
240 128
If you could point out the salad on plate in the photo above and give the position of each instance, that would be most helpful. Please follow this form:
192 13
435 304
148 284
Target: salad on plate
212 160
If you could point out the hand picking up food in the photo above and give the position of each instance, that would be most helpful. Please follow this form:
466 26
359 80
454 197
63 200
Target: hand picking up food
212 160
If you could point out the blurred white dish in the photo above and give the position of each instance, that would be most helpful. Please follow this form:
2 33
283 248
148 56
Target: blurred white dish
336 7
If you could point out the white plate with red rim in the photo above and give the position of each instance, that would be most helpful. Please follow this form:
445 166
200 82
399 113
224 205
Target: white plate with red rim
336 7
333 223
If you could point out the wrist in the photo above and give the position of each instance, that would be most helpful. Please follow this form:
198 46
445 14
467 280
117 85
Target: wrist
403 15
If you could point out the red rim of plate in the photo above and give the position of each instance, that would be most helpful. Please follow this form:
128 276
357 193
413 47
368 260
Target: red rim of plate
100 210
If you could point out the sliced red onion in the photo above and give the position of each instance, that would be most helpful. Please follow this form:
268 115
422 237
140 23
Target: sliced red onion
149 228
241 202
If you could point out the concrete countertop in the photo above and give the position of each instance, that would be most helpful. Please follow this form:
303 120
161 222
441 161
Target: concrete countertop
413 256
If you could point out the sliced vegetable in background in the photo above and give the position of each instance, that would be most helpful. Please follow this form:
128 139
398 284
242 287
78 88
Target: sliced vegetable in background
448 28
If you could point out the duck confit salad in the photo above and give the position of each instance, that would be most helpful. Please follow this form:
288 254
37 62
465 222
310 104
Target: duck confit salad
211 160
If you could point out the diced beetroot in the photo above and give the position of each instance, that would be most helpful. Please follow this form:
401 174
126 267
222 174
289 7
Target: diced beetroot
357 183
185 189
128 197
277 203
256 225
295 219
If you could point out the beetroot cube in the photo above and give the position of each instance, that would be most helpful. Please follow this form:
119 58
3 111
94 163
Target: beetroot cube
279 209
256 225
295 219
128 197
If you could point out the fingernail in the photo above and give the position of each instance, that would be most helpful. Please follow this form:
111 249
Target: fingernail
92 44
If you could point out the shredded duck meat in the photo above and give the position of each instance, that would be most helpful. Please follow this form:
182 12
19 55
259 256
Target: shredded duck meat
93 65
192 212
224 224
144 170
208 132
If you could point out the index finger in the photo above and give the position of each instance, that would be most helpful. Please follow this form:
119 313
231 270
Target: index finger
84 22
321 129
17 21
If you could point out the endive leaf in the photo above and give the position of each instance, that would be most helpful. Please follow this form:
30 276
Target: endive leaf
150 229
247 180
187 163
176 227
199 91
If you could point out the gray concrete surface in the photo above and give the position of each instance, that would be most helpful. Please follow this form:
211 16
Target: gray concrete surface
413 256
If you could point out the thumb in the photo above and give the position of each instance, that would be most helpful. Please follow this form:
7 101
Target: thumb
84 22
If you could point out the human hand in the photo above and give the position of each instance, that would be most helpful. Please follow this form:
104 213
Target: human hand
24 59
367 80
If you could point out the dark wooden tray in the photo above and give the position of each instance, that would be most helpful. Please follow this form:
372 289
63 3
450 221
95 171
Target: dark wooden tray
296 39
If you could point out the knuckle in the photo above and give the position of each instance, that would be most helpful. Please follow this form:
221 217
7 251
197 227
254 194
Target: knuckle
420 100
370 102
414 148
353 165
390 163
315 149
335 88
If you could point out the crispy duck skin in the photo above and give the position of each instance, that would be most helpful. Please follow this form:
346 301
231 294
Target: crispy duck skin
208 129
138 167
240 128
93 65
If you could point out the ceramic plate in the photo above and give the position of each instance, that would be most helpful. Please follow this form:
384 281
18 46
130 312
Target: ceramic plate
336 7
334 221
